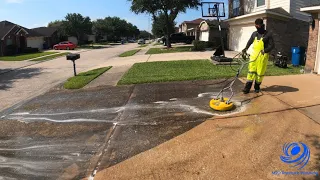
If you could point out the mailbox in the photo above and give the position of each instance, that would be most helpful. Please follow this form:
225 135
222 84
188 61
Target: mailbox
73 57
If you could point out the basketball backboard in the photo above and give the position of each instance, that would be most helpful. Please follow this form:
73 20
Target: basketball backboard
213 9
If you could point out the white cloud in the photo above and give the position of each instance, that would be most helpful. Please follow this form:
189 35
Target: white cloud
14 1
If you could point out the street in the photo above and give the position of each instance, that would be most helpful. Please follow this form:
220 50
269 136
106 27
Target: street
33 80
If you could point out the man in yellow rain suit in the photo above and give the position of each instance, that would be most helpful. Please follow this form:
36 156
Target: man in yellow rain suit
262 45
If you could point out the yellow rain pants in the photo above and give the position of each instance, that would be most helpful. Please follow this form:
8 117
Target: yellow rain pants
258 67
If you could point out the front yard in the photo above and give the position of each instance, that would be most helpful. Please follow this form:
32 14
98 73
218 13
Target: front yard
23 57
51 57
172 50
129 53
150 72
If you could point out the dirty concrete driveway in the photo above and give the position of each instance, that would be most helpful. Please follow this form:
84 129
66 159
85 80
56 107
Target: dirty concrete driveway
35 79
70 134
161 131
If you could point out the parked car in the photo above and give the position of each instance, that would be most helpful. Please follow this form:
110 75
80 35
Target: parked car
65 46
131 41
179 38
141 41
159 40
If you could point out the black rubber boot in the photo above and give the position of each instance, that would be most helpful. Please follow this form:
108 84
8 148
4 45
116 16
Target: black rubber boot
247 88
257 87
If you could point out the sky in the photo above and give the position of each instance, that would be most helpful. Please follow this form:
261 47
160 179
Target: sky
37 13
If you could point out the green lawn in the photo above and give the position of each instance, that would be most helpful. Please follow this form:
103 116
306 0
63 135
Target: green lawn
172 50
129 53
150 72
23 57
84 78
51 57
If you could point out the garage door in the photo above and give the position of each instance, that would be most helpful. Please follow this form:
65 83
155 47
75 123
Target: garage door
239 36
35 42
204 36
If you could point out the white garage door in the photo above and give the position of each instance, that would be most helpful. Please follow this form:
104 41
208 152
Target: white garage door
35 42
204 36
239 36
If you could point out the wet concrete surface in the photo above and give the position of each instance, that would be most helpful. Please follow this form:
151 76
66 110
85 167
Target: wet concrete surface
72 134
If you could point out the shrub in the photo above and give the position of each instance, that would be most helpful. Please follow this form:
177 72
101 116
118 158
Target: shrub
199 45
211 44
30 50
11 50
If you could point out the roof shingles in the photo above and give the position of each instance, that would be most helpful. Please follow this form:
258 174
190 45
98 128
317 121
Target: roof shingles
6 26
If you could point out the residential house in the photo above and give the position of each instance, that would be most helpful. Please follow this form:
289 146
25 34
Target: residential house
15 38
51 35
313 50
283 18
91 38
191 28
180 28
209 31
176 30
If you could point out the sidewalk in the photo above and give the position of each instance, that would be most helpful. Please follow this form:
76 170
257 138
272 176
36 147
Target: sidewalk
242 146
143 50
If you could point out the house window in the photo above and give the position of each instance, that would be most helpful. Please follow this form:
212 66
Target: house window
236 8
261 3
9 42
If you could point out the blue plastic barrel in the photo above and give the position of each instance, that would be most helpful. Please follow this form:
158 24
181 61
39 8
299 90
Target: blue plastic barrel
295 56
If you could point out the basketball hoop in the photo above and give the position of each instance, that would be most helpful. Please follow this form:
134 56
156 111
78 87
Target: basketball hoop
216 9
213 9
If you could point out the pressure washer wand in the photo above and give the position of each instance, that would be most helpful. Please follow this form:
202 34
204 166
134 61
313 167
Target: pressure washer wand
243 64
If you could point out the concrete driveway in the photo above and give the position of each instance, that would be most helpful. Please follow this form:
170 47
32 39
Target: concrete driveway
245 145
161 131
69 134
35 79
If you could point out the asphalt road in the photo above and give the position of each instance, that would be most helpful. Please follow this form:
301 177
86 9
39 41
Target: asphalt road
72 134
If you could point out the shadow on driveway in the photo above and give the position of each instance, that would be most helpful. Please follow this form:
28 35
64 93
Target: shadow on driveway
280 89
7 79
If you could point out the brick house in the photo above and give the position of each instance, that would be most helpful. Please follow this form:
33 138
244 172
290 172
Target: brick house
209 31
191 28
313 51
17 38
290 26
51 35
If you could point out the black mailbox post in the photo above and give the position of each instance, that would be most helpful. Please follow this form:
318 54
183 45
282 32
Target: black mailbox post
73 58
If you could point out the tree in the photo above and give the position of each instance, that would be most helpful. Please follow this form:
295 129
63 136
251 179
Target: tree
159 26
145 35
77 25
56 23
169 8
101 28
115 28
